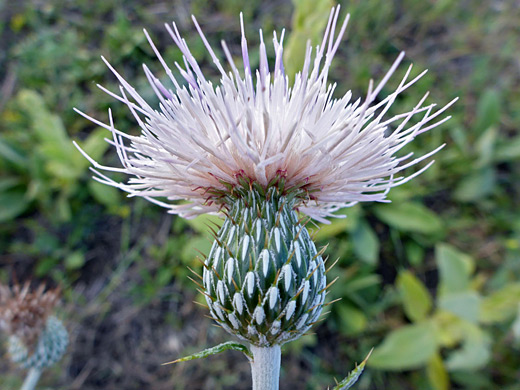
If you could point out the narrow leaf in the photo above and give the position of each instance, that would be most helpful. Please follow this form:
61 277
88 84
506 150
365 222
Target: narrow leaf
10 154
366 243
214 350
488 111
353 377
417 301
437 374
309 21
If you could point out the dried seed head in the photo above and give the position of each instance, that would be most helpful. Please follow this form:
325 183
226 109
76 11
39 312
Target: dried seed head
24 312
50 346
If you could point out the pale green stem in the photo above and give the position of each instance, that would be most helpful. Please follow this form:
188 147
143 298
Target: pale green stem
265 367
32 379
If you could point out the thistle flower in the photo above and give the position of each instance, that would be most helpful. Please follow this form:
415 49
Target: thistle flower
260 149
206 140
37 339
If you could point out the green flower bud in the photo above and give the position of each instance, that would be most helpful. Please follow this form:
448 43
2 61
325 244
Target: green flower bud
264 280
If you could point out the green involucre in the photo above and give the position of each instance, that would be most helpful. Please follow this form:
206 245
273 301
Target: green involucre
264 279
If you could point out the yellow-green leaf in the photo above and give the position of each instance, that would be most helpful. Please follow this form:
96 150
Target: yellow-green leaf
416 299
408 347
502 305
410 217
455 269
437 374
106 195
352 319
309 20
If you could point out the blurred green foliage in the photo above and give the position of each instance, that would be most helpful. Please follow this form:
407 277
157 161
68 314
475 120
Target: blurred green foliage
308 23
432 280
46 164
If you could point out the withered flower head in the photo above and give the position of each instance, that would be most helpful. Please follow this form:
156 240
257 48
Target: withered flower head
24 312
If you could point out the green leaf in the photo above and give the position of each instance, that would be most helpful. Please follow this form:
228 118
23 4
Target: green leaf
410 217
48 128
337 226
75 260
95 145
352 320
353 377
214 350
437 374
417 301
477 380
459 135
366 243
64 170
465 304
488 110
8 183
451 329
476 185
502 305
414 253
309 20
12 204
45 266
485 146
63 210
163 276
8 153
106 195
359 282
408 347
475 352
454 267
508 151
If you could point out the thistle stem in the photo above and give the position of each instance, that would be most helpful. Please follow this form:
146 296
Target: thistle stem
265 367
32 379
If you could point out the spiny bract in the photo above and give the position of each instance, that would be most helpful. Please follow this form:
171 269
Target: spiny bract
50 347
264 279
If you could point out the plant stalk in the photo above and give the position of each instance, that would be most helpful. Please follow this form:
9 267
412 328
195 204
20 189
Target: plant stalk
265 367
32 379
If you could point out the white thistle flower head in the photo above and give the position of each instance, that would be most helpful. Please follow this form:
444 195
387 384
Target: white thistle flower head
205 142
